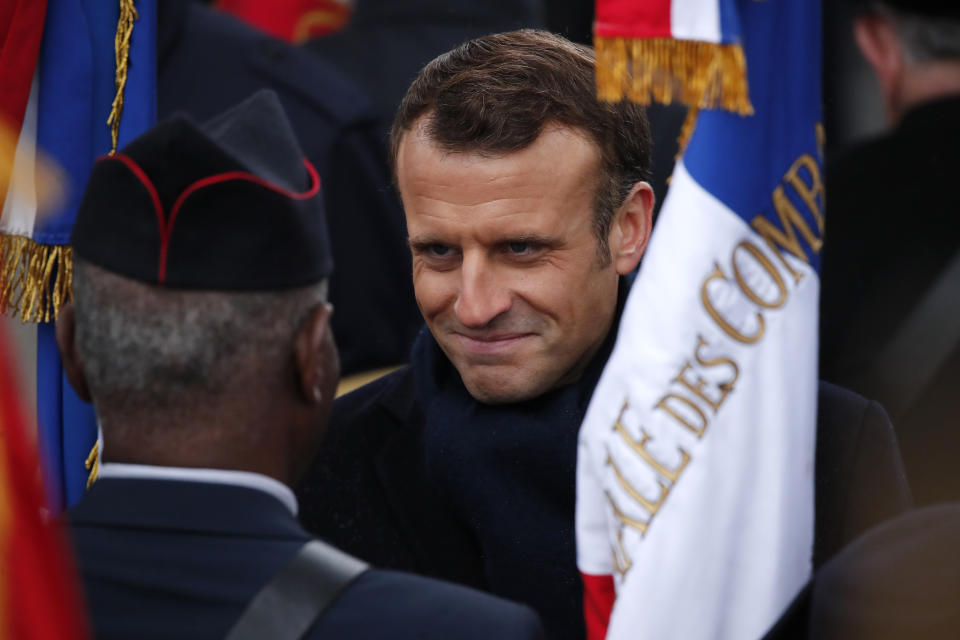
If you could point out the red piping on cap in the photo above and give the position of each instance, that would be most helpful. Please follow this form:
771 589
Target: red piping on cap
166 225
142 177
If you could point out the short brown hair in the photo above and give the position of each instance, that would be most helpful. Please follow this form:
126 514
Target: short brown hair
494 95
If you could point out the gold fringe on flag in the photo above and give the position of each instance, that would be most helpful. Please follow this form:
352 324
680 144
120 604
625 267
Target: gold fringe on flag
698 74
35 279
128 15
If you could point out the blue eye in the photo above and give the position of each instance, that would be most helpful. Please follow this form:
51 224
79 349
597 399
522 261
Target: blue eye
440 250
519 247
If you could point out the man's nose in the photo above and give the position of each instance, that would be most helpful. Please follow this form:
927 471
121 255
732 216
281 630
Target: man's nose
482 296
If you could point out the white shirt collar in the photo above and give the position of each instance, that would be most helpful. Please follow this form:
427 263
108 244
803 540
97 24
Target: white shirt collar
247 479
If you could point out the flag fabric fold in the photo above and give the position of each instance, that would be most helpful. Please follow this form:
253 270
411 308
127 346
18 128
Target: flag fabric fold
695 464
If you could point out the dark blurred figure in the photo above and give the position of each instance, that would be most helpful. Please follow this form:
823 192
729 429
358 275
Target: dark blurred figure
388 41
899 581
572 19
890 322
208 60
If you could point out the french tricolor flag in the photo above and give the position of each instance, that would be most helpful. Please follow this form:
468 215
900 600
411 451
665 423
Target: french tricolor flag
695 467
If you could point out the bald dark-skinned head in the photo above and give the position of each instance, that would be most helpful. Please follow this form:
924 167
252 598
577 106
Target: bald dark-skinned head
235 380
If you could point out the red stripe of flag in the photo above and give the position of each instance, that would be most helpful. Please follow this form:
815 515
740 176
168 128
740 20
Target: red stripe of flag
632 19
599 594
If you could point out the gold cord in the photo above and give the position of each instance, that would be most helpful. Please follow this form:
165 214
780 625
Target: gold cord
93 464
128 14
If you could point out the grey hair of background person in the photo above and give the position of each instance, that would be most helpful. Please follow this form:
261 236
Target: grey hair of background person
150 348
926 39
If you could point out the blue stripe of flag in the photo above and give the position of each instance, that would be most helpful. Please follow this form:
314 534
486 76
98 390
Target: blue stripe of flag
756 151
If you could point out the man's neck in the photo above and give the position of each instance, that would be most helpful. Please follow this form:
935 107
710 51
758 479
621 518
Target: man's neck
174 441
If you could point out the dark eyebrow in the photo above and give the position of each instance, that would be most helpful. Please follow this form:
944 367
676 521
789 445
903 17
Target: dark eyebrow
422 243
531 238
419 244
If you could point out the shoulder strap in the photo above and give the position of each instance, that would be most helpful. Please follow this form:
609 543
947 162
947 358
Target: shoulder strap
287 606
908 362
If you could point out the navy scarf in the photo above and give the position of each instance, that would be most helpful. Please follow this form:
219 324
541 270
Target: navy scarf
508 473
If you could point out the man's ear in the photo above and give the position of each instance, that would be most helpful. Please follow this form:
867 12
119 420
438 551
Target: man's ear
630 231
66 342
318 367
879 43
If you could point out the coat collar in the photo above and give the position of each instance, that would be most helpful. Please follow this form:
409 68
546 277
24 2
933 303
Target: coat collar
937 115
199 507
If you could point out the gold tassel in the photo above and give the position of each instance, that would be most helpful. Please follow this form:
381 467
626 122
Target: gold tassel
93 464
698 74
35 279
128 14
686 131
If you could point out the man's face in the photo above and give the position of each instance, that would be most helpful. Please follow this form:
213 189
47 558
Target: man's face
505 264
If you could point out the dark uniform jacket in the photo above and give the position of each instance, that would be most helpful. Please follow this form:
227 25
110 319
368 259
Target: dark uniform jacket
375 491
893 205
176 559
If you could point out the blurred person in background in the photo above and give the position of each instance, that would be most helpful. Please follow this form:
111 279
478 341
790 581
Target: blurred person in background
898 581
387 42
890 305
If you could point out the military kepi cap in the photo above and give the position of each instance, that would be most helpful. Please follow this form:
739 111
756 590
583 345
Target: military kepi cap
229 205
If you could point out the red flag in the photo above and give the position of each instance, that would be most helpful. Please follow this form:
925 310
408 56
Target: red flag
39 599
21 27
292 20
